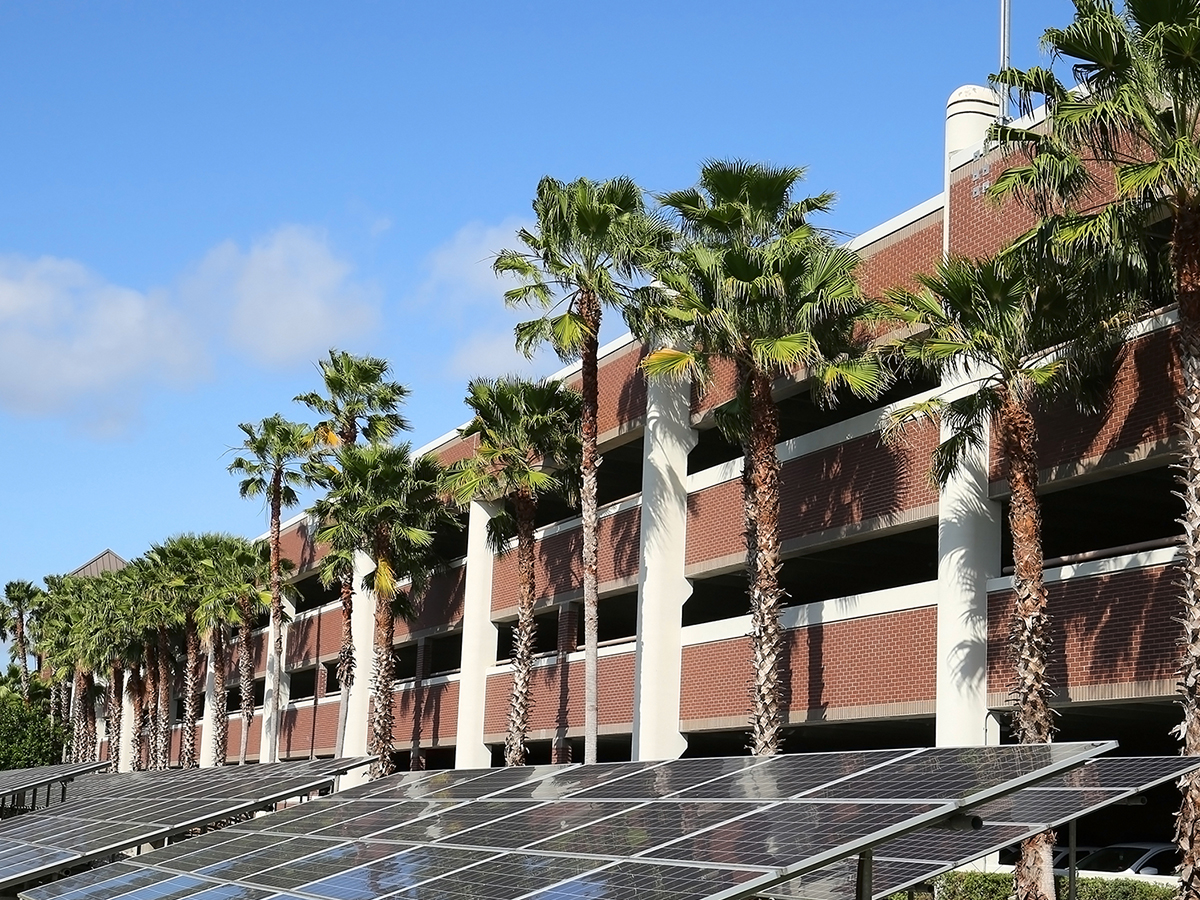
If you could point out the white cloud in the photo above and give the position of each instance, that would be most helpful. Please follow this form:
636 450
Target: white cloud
72 342
460 277
286 298
492 354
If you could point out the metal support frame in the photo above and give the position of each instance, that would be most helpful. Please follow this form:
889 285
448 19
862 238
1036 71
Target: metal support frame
862 883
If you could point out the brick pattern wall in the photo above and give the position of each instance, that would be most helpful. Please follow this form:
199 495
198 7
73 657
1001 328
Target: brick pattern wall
558 564
426 715
456 449
440 605
234 737
860 662
833 487
722 388
1109 629
557 696
892 261
313 637
296 544
621 388
1141 408
305 727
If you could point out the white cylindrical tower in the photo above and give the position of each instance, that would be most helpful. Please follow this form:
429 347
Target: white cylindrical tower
970 111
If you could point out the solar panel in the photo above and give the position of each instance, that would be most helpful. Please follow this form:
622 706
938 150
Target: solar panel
30 781
112 812
666 831
923 854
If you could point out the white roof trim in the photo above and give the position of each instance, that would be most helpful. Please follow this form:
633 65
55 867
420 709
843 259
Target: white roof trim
918 212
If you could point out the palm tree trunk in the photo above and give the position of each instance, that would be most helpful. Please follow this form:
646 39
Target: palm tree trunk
220 710
22 651
116 700
137 742
191 690
383 678
1029 631
77 727
522 653
150 707
275 657
164 698
246 677
766 596
90 746
589 310
345 667
1185 253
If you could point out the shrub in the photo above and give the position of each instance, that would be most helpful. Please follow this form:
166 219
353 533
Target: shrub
998 886
27 737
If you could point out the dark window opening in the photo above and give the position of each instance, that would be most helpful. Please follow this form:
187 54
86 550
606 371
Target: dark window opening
450 540
311 594
404 659
553 508
332 684
909 557
545 635
199 708
233 696
1113 517
445 653
233 699
537 753
620 473
616 619
798 415
302 685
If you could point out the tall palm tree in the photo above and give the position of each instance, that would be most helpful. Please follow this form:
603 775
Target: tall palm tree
590 241
232 591
19 599
1135 112
162 612
528 432
1019 330
754 283
111 640
271 469
384 503
361 400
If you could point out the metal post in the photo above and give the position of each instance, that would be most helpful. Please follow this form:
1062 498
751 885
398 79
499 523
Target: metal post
1005 31
862 887
1071 875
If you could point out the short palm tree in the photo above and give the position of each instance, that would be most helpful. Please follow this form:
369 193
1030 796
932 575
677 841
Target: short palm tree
528 433
755 284
360 400
271 468
590 242
1005 334
383 502
19 599
1135 112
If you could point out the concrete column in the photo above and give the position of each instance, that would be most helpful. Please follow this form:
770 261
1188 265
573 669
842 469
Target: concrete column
968 554
662 589
127 724
276 676
358 696
479 642
207 756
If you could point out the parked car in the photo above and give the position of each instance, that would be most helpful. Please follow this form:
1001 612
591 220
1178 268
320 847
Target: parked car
1133 858
1009 855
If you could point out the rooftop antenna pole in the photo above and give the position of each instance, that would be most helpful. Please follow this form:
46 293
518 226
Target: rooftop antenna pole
1005 30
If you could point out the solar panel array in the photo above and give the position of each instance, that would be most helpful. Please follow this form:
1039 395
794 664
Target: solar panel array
914 858
108 813
678 830
19 781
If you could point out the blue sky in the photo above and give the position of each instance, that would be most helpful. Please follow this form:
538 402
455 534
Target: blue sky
198 199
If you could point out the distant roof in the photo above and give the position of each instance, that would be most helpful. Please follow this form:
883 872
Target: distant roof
105 562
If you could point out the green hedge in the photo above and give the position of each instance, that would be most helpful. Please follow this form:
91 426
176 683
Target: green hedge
998 886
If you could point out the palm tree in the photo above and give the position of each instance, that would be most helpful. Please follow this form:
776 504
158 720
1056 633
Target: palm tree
271 469
360 401
232 592
590 241
162 611
1017 330
527 432
19 599
110 627
1135 113
754 283
384 503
